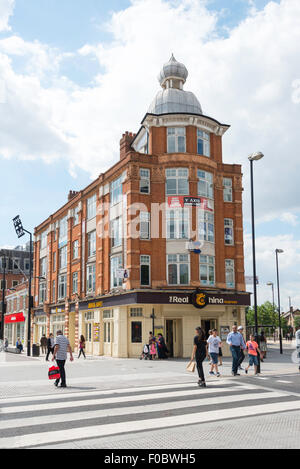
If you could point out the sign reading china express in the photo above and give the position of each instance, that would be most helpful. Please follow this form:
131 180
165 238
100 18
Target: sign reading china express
201 299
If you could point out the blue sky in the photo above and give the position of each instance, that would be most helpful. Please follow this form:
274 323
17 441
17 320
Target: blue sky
79 73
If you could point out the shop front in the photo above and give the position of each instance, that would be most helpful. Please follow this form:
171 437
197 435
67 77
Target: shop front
14 327
119 325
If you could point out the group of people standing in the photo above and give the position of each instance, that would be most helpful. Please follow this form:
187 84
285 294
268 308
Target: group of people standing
157 347
47 345
211 348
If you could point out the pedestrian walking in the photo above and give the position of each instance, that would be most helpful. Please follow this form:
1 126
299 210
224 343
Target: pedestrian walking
82 346
43 343
253 350
214 343
236 342
242 355
61 349
5 344
200 353
19 344
263 345
50 346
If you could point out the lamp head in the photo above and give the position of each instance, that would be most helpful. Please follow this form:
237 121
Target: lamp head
279 251
270 283
258 155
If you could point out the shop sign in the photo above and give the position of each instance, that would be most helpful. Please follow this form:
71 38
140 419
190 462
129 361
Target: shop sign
158 330
199 299
224 331
97 304
96 332
182 201
13 318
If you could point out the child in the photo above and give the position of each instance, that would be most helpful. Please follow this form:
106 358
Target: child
214 343
252 347
153 350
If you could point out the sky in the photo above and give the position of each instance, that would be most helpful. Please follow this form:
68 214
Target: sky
74 75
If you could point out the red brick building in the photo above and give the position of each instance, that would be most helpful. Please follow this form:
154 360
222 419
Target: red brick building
120 251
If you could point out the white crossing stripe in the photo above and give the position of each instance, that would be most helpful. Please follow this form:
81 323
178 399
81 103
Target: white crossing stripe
111 400
27 440
147 407
66 393
282 381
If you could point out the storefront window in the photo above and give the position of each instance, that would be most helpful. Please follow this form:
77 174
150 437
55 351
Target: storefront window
136 332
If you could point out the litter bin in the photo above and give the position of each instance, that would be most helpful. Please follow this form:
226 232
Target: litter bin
35 350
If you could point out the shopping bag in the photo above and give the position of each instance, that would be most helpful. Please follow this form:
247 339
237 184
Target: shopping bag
54 372
191 367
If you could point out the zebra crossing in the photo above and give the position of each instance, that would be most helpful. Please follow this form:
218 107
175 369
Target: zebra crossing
65 416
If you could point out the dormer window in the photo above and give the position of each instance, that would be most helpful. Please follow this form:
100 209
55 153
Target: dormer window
176 139
203 143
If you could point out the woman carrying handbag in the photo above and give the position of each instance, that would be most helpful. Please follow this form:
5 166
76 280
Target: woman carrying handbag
200 353
81 346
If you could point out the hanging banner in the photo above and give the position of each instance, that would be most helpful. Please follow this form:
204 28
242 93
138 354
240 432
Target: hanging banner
12 318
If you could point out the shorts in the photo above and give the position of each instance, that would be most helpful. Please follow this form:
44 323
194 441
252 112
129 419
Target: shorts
214 357
253 360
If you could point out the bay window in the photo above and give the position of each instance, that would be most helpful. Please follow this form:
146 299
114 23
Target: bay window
177 181
203 143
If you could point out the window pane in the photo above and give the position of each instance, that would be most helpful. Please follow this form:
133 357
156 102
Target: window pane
172 274
145 274
136 332
184 274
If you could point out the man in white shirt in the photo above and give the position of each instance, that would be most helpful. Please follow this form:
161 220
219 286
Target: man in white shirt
61 349
214 343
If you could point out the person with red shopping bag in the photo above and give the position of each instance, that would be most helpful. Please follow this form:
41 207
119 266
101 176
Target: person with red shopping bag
61 349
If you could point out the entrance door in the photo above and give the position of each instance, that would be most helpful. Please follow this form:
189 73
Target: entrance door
170 336
207 325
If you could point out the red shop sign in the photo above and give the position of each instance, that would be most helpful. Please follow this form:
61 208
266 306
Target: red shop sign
11 318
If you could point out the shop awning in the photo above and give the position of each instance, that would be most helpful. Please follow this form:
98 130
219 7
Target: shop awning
12 318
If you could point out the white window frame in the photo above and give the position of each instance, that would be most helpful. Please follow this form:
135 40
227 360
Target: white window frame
43 240
145 227
206 218
92 243
91 278
63 257
178 260
180 222
228 225
116 262
76 249
209 263
116 234
177 175
145 260
91 207
204 137
144 181
75 282
230 271
42 292
174 134
60 284
227 190
63 229
205 179
116 191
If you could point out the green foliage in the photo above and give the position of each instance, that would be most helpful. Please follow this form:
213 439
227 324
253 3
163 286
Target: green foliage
266 315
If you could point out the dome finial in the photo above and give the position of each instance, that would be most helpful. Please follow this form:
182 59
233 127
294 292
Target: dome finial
173 74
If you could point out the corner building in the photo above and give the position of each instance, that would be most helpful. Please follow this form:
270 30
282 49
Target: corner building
121 257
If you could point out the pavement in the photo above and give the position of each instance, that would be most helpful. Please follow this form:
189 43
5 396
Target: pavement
133 404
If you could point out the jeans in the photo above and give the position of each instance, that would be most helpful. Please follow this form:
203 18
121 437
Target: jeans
242 357
61 365
236 353
48 353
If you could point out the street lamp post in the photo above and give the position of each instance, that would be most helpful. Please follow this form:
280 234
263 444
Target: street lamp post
20 231
254 157
3 299
279 251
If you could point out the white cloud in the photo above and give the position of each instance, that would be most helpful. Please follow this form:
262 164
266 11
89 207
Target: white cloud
6 10
250 79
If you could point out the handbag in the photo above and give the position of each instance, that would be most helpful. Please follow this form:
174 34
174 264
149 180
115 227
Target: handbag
191 367
54 372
